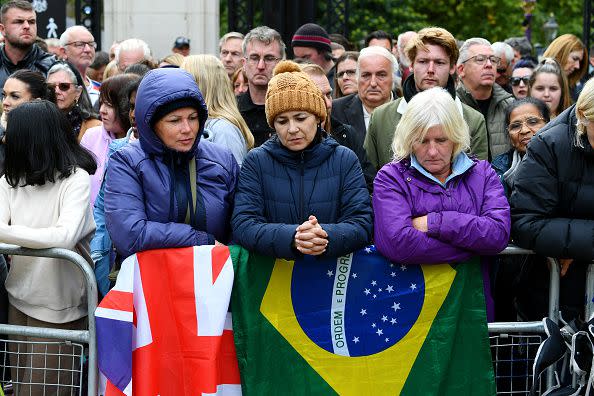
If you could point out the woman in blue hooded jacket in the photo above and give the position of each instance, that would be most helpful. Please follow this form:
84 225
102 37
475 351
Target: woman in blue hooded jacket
169 188
300 192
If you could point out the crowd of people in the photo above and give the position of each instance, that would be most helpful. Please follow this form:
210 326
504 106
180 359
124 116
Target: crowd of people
433 149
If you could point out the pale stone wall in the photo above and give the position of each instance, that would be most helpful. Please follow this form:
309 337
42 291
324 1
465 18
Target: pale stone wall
159 22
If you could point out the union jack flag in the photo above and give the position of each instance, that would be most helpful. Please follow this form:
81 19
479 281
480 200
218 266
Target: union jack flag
164 328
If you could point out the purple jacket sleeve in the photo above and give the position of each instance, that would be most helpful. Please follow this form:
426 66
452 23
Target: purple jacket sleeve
130 229
395 237
483 234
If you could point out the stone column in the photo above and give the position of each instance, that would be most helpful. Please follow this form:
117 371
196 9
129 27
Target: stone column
159 22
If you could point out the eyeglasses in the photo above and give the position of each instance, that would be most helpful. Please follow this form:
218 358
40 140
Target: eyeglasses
533 123
268 59
515 81
234 54
481 59
64 86
349 73
81 44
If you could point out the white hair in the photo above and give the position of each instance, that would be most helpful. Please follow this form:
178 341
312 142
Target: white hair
228 36
403 39
469 43
376 50
500 48
65 37
133 44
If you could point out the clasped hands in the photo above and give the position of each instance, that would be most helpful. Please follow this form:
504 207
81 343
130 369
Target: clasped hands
311 238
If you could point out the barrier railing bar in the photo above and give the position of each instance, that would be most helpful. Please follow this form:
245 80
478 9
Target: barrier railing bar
73 335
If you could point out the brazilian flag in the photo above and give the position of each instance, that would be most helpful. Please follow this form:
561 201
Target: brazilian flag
360 325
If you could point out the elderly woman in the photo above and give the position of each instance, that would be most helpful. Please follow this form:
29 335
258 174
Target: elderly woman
169 188
523 118
433 203
552 199
72 97
300 192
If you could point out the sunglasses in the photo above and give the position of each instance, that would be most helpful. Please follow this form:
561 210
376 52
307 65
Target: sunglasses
64 87
515 81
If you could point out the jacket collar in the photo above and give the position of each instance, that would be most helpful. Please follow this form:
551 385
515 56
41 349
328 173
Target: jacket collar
311 157
460 165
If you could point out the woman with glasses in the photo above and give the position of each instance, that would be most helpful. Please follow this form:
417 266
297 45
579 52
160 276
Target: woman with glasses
523 119
572 55
552 208
345 82
520 79
549 84
72 97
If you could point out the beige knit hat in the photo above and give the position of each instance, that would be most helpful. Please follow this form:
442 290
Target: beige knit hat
292 90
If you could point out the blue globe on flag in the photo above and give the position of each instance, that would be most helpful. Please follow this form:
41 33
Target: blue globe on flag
357 305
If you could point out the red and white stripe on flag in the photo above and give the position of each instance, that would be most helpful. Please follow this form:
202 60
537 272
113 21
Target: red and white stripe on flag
174 304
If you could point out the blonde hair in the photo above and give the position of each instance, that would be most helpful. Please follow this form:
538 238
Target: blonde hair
584 108
560 49
213 81
110 70
427 109
173 59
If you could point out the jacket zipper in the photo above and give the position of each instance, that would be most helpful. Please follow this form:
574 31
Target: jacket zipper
301 198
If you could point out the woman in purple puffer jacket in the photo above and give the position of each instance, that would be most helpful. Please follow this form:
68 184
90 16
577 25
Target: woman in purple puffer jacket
434 204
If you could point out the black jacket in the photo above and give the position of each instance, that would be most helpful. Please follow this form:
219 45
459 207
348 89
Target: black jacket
349 110
346 136
36 60
255 118
552 202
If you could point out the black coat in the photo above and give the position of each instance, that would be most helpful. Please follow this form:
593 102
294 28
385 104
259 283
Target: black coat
255 118
36 60
349 110
552 204
346 136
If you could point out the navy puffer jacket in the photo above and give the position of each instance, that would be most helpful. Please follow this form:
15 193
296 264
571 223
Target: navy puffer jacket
142 191
279 189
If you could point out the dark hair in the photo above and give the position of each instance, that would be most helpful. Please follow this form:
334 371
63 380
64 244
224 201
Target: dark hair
20 4
340 39
379 35
36 84
524 63
101 59
139 69
542 107
353 55
40 143
113 91
550 65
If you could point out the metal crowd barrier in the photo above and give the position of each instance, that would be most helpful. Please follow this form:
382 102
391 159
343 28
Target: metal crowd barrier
514 344
69 343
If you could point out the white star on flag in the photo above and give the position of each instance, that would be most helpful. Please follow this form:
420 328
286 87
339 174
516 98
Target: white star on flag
413 286
363 312
384 318
393 274
356 340
373 325
354 275
367 292
368 249
403 267
379 290
373 283
396 306
393 321
330 273
387 339
379 332
375 295
389 288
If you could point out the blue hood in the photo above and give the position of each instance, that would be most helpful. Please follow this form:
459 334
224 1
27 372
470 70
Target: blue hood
158 87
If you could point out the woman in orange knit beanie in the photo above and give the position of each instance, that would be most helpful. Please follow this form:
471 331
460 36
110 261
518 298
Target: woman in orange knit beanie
300 193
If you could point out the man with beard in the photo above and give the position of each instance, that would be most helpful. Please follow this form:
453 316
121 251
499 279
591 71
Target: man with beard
433 53
18 25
